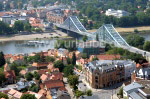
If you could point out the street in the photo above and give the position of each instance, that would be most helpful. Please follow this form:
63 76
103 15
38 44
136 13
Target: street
7 87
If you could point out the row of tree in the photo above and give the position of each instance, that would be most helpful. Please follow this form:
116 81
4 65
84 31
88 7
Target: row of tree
18 26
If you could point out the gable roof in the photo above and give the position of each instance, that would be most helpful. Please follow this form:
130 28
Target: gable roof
54 84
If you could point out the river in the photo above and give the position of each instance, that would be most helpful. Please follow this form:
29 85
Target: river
15 47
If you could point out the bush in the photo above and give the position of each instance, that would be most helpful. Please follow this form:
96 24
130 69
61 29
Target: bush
78 93
2 95
89 92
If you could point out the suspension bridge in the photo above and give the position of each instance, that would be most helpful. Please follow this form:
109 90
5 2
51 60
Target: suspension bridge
106 33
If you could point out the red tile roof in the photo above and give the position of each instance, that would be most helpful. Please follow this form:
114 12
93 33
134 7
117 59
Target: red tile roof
39 64
9 74
42 71
106 57
54 84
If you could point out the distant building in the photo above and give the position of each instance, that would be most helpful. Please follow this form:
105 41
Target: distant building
116 13
55 17
103 73
7 18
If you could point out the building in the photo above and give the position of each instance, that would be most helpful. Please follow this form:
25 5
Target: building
103 73
62 52
142 72
105 57
9 75
36 22
137 90
116 13
40 65
100 74
55 17
14 94
7 18
91 48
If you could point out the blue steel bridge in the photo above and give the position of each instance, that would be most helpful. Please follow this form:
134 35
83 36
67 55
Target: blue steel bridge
106 33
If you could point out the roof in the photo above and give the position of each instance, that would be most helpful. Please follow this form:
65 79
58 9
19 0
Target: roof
42 71
107 65
146 85
131 87
44 77
12 92
35 64
9 74
23 72
56 76
54 84
107 57
134 95
42 91
18 95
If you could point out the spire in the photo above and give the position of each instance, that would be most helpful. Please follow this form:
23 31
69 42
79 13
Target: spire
6 67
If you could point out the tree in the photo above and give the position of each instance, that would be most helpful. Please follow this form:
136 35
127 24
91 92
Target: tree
28 96
2 77
146 46
29 76
2 59
97 37
27 27
49 59
95 58
19 26
73 80
14 67
34 88
69 61
121 92
2 95
89 92
107 47
136 31
84 38
59 64
84 55
68 70
135 40
36 76
74 59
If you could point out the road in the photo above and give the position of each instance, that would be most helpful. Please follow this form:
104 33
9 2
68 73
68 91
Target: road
12 86
68 88
106 93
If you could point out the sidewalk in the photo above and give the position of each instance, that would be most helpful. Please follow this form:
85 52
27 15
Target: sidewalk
114 97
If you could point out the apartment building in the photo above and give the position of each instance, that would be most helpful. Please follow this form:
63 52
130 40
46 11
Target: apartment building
104 73
116 13
56 17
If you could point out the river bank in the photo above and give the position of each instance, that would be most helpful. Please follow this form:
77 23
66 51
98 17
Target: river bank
17 37
128 30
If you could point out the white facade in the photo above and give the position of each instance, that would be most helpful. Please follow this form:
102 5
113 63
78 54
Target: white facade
116 13
129 66
143 72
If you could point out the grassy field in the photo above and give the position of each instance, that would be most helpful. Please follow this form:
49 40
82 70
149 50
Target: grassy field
126 30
